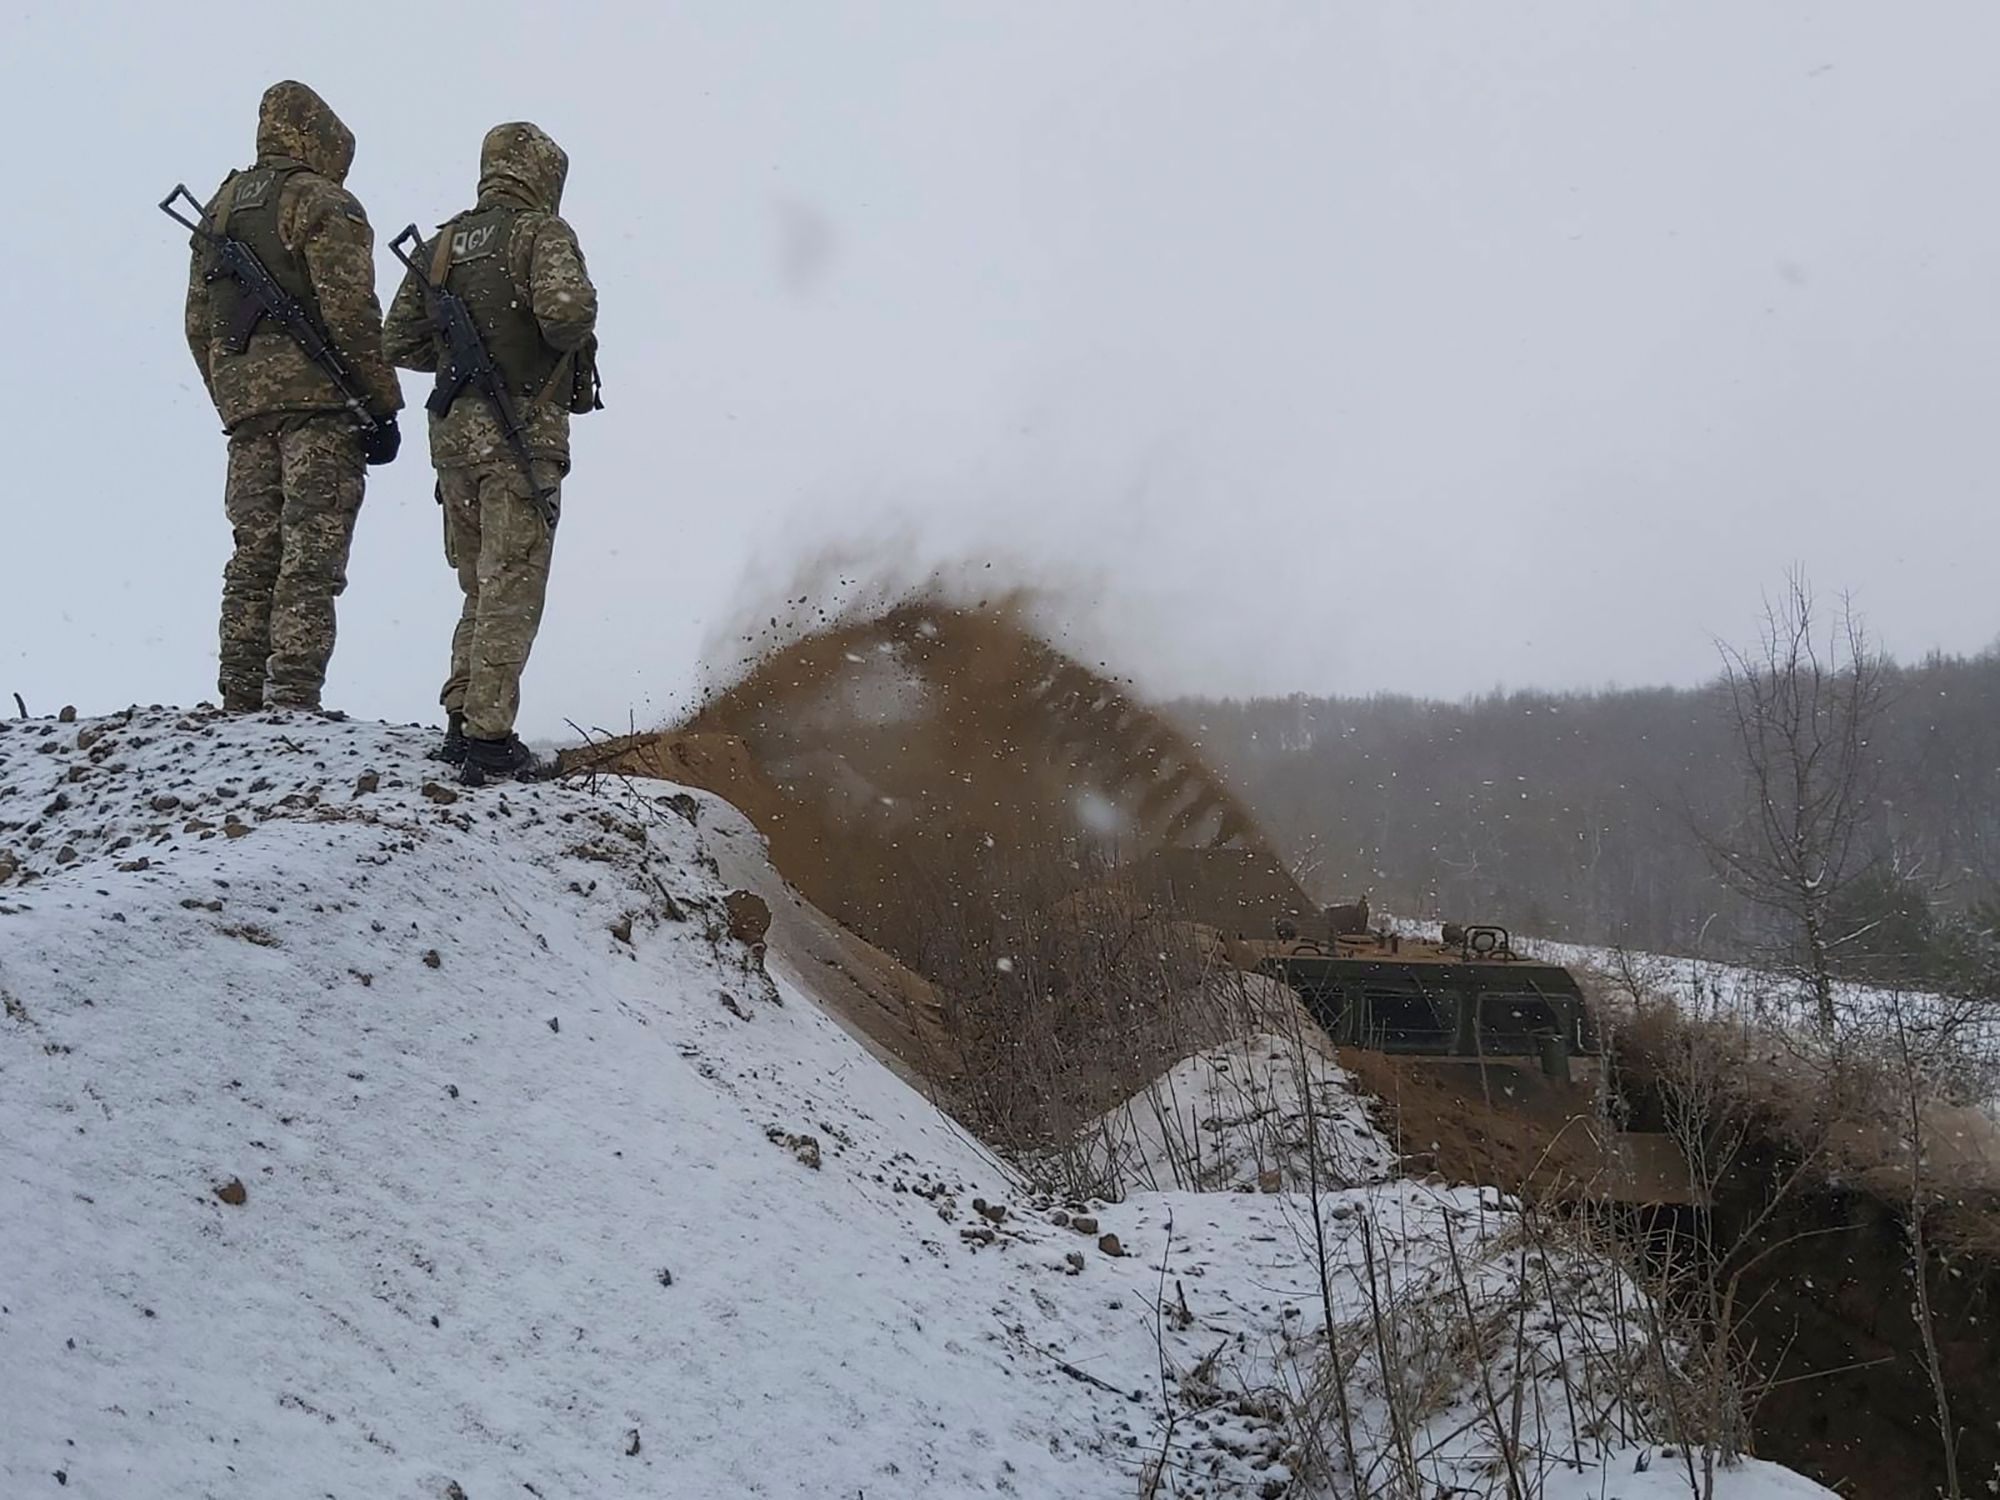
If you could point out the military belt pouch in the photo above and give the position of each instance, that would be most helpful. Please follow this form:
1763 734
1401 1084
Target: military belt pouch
584 392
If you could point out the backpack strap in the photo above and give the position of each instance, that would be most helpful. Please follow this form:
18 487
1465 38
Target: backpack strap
561 378
225 202
441 254
440 268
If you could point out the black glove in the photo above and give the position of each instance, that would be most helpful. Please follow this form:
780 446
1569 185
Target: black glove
378 446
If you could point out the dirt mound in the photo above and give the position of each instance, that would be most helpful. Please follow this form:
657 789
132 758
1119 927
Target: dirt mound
922 754
1505 1124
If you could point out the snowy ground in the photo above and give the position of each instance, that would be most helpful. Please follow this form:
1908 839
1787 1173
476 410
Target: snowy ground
1709 988
1955 1042
360 1137
1263 1111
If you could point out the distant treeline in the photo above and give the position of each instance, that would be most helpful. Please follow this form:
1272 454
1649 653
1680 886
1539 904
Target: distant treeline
1571 815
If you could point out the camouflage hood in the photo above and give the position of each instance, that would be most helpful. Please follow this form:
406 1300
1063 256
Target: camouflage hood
293 121
519 163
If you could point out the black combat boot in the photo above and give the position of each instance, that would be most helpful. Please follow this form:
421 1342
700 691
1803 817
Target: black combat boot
502 760
451 749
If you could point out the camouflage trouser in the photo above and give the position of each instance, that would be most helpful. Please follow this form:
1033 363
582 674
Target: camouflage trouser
494 536
292 497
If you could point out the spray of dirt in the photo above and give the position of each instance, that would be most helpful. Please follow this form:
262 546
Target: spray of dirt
930 748
854 579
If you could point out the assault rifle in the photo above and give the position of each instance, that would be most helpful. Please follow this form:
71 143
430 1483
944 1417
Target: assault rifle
467 363
259 297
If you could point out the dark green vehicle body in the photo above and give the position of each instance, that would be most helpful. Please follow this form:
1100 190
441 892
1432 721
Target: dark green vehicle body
1427 999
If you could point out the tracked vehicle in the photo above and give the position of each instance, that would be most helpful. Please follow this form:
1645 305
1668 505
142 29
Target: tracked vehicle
1496 1041
1467 1034
1466 994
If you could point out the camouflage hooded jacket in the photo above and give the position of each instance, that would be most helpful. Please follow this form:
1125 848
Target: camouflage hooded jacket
320 222
520 167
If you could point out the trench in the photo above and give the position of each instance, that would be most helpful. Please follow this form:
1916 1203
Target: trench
1827 1302
1830 1329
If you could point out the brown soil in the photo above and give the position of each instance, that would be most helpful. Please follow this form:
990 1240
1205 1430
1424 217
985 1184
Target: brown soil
1507 1124
927 748
888 1006
947 796
893 1010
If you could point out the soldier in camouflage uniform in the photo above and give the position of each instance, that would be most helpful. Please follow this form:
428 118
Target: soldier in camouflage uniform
518 268
295 452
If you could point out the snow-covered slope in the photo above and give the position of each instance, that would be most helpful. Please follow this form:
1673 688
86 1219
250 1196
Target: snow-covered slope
1262 1110
362 1137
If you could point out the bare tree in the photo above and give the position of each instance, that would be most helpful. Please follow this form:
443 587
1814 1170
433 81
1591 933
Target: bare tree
1920 1062
1803 708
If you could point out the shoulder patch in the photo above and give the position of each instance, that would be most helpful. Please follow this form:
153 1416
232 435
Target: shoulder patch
331 199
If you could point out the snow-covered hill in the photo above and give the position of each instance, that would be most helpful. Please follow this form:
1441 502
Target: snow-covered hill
360 1136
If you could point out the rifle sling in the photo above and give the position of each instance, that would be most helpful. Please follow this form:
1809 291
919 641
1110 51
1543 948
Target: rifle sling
247 313
225 204
560 379
447 391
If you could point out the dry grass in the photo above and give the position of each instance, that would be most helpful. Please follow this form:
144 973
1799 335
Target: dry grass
1063 996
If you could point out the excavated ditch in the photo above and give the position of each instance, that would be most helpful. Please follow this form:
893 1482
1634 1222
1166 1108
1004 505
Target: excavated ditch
1830 1309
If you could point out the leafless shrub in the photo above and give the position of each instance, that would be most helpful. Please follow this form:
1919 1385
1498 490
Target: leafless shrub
1918 1042
1479 1350
1064 995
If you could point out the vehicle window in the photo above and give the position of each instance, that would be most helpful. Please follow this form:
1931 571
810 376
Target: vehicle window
1516 1020
1400 1016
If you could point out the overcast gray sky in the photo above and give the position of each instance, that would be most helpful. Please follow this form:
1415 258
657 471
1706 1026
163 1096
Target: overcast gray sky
1330 347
